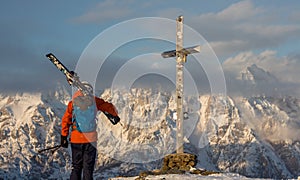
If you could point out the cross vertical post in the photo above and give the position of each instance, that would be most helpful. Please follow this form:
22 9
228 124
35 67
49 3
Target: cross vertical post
179 83
181 54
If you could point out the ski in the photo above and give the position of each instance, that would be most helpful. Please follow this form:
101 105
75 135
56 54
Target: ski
73 80
72 77
53 149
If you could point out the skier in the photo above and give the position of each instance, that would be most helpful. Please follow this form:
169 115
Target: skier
80 115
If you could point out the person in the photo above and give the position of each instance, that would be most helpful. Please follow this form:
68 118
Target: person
80 119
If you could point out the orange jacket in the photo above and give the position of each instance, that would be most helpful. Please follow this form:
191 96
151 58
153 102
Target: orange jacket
76 136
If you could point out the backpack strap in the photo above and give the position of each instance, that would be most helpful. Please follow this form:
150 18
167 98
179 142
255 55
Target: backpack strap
74 126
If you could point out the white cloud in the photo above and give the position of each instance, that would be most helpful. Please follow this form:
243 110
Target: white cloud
106 10
242 10
235 13
223 47
245 27
242 26
269 31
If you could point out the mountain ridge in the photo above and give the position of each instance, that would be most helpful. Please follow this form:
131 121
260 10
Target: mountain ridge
222 131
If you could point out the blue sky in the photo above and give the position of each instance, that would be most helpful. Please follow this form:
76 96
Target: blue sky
30 29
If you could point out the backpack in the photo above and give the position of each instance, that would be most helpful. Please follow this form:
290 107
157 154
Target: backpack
84 113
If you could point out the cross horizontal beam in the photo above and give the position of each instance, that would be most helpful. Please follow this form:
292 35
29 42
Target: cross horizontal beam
185 51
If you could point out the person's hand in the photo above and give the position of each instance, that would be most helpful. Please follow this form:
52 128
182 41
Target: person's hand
113 119
64 141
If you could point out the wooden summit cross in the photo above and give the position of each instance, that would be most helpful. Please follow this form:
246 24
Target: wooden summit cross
181 54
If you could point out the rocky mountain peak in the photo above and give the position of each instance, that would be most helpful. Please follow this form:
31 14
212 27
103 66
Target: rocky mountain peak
228 134
256 75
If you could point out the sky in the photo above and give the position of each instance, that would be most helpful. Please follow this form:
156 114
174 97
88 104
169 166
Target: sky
263 32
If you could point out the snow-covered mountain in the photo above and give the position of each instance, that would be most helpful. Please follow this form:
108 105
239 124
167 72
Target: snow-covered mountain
249 74
31 122
254 137
235 129
256 75
253 80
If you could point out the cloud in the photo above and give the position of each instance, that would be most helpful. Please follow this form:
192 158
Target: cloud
23 66
225 47
106 10
243 27
239 11
269 31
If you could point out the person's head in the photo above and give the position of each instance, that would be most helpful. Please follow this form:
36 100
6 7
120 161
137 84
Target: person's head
88 86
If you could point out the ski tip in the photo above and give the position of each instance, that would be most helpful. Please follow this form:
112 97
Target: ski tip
49 54
121 124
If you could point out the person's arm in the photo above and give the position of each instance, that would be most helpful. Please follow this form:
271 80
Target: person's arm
65 125
108 109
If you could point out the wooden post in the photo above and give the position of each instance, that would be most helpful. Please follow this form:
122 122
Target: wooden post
181 55
179 83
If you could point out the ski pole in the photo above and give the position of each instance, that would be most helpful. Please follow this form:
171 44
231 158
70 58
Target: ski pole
54 148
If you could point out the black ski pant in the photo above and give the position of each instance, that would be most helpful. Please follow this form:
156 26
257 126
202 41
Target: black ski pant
83 160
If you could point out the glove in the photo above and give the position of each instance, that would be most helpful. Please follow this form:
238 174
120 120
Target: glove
113 119
64 141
